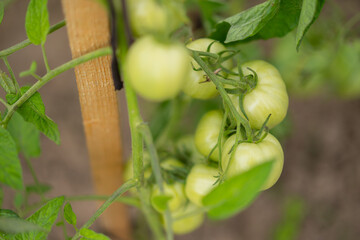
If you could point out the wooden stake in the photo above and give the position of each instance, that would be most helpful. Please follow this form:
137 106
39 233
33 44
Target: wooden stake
88 30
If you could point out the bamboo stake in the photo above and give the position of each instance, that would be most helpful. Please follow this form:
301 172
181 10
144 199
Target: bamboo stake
88 30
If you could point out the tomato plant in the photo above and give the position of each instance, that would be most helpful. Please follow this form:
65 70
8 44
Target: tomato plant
176 177
196 85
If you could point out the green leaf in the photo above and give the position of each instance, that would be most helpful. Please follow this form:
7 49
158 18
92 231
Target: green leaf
13 225
6 83
45 218
1 11
31 70
38 189
26 136
69 215
33 111
237 193
285 20
8 213
89 234
246 23
309 13
37 21
159 202
10 168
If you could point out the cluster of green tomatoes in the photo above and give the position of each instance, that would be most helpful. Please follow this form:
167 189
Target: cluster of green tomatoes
222 147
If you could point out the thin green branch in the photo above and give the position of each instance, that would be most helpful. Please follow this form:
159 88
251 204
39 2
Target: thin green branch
50 75
25 43
33 174
45 58
131 201
13 78
125 187
155 164
5 103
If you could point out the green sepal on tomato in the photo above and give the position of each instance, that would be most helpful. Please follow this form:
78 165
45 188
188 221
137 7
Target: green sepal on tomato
196 85
269 96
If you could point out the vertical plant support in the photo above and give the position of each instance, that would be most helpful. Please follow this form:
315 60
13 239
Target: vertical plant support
88 30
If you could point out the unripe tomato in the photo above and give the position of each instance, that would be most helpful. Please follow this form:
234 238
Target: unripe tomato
157 71
207 134
194 86
268 97
200 182
249 155
150 17
187 224
175 191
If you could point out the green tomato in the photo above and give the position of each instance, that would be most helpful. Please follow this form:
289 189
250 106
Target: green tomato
150 17
194 86
200 182
249 155
187 224
268 97
207 134
175 191
157 71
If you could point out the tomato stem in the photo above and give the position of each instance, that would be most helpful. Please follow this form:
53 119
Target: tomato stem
121 190
214 78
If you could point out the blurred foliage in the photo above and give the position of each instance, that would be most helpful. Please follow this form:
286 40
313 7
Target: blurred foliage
327 63
289 225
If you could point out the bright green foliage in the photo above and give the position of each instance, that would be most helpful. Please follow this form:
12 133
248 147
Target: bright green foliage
45 217
33 111
273 18
37 21
246 23
10 170
237 193
89 234
69 215
1 11
6 83
309 13
25 135
285 20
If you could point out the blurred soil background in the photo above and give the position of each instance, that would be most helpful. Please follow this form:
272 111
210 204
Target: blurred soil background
317 196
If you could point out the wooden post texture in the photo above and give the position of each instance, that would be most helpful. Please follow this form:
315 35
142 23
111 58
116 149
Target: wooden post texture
88 30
